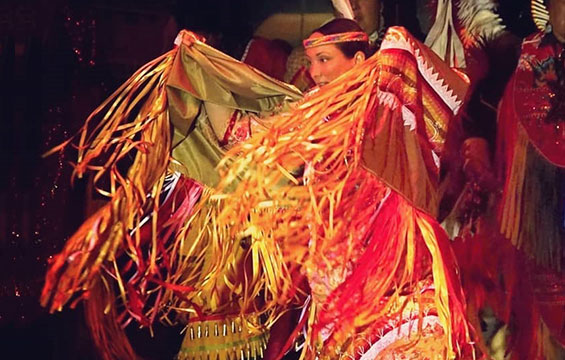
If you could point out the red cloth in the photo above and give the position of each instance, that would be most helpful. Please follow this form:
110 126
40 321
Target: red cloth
269 56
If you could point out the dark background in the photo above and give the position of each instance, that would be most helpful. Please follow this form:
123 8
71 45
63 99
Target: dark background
58 60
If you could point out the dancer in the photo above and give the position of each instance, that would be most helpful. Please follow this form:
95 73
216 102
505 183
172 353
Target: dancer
175 116
345 189
169 270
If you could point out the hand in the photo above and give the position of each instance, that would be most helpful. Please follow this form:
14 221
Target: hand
476 157
477 165
188 38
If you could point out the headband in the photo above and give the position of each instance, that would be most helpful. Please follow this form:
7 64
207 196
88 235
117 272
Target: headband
335 38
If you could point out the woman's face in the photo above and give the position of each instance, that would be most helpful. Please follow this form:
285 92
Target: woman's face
557 18
327 62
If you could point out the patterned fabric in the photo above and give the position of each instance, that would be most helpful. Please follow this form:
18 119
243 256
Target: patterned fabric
539 94
223 338
417 86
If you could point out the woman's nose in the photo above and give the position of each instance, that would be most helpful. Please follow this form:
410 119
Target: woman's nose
314 71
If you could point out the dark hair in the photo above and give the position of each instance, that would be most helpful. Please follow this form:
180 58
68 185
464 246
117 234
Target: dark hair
349 48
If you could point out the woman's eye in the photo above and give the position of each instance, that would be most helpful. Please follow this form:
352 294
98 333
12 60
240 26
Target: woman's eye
324 59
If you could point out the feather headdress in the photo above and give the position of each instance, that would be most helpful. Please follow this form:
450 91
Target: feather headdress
475 23
344 8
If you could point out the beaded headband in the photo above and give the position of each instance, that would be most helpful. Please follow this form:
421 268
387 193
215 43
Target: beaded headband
335 38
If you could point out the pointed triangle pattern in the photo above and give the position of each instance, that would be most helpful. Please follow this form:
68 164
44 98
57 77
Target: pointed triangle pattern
409 118
388 99
396 40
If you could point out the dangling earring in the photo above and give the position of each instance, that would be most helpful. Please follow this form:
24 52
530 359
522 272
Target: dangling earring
548 28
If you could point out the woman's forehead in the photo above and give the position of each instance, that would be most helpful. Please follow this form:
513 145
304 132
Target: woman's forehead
329 49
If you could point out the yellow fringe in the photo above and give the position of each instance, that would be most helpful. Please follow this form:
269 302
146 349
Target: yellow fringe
512 206
530 197
440 283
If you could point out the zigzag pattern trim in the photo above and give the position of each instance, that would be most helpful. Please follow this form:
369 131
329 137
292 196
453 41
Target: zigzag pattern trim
425 69
390 100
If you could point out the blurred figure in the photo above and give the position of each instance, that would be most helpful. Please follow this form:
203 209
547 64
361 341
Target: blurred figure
268 56
513 260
